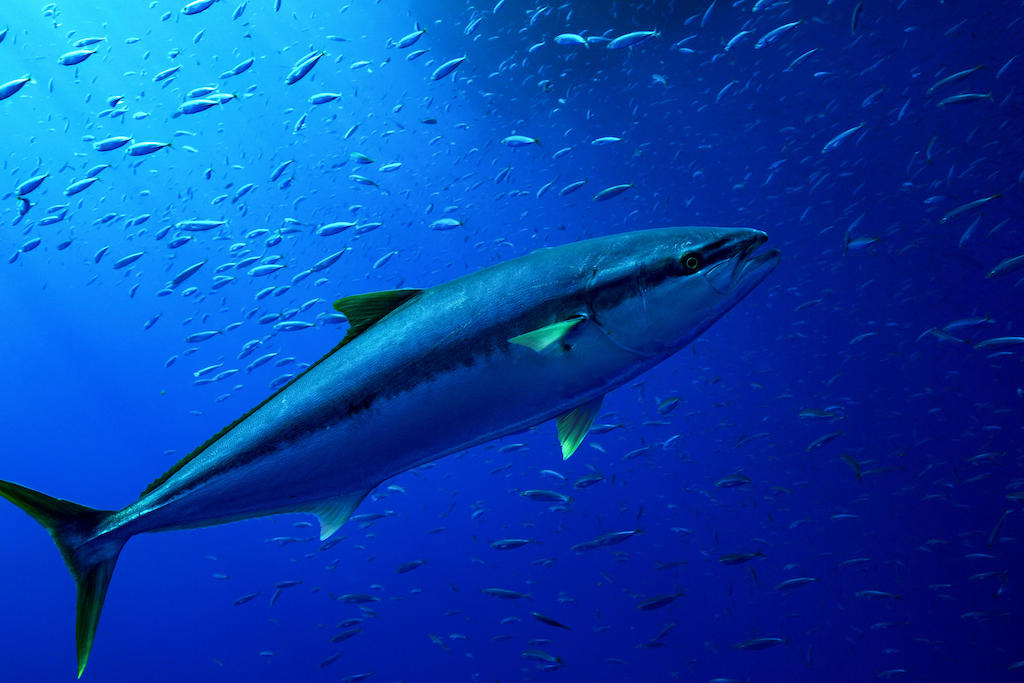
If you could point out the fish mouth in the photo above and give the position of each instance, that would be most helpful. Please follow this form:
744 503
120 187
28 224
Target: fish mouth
743 268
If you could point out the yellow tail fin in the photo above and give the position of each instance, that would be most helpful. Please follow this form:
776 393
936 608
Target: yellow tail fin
89 557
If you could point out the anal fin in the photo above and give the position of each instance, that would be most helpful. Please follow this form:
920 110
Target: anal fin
334 513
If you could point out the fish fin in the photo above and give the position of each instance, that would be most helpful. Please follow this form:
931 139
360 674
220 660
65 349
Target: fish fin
333 513
89 557
573 425
363 310
543 337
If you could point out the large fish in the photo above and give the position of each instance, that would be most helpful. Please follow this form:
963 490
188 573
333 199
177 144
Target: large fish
425 373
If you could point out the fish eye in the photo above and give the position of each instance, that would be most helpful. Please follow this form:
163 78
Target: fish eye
690 263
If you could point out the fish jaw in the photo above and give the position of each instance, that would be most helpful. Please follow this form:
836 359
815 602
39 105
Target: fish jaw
664 306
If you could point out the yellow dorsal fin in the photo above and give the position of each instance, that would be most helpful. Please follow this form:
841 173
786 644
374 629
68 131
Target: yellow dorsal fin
574 425
363 310
543 337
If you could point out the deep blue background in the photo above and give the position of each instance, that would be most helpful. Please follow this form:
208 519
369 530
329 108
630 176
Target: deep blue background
90 412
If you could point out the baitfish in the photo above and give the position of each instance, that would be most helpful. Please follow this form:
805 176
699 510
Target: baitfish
760 643
605 540
657 602
540 337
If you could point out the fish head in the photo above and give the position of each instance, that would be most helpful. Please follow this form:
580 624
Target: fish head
657 290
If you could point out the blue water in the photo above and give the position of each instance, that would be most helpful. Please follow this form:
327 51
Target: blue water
93 409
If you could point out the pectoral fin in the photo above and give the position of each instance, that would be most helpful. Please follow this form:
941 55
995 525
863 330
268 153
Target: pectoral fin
541 338
363 310
575 424
333 513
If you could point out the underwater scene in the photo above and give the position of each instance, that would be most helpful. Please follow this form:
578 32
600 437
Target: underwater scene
667 340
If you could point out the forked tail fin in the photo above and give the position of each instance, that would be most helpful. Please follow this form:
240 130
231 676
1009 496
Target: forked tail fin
90 558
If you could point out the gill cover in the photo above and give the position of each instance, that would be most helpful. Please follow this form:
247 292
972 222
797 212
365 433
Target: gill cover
653 302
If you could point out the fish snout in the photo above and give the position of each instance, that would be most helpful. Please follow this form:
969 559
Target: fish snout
743 268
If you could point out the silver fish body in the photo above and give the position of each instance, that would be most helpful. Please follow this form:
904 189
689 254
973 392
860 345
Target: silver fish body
434 372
